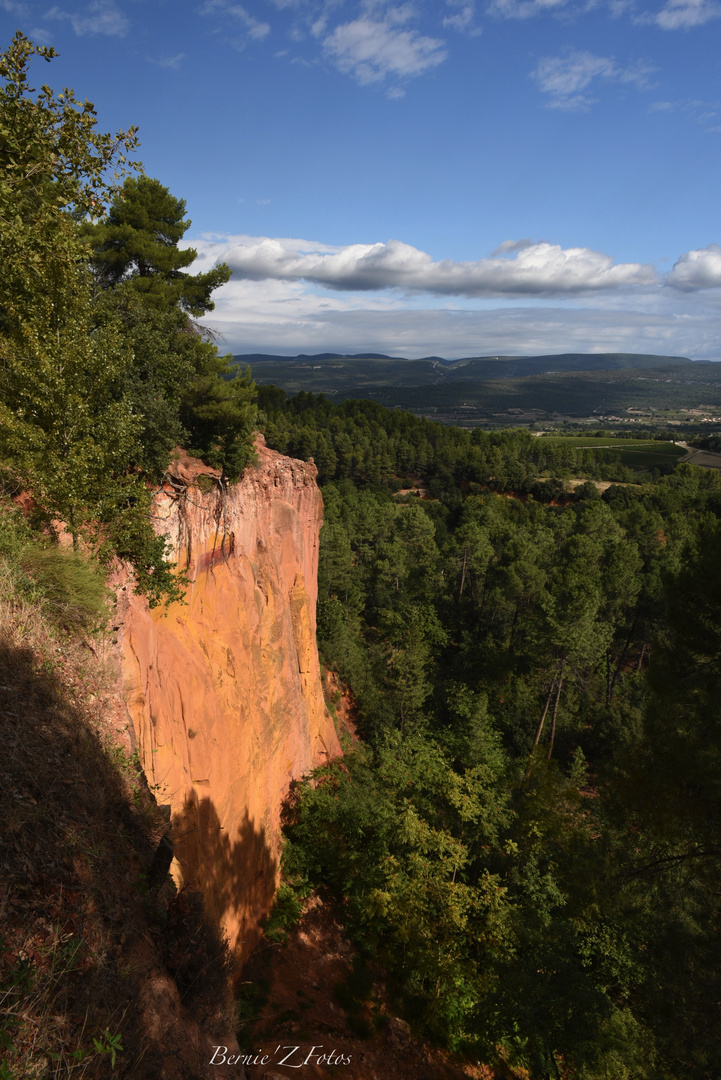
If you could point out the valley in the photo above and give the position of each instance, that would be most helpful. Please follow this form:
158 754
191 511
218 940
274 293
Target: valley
613 390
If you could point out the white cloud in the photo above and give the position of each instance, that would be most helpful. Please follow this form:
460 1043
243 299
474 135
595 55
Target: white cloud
255 28
674 15
372 47
171 62
684 14
12 8
564 77
101 17
523 9
507 247
537 269
462 19
699 269
705 113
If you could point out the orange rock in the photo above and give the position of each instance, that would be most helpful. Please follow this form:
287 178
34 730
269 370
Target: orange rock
224 690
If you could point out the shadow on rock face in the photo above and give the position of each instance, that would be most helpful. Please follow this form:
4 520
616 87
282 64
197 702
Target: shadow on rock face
232 874
94 958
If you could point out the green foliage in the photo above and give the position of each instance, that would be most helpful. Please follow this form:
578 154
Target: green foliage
526 842
61 422
363 441
52 160
73 587
136 246
98 385
108 1044
220 413
286 911
180 391
66 427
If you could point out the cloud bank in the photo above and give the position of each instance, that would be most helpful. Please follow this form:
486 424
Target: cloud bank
291 295
534 269
516 268
278 317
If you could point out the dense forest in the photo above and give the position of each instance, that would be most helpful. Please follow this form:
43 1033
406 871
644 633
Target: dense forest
363 441
525 841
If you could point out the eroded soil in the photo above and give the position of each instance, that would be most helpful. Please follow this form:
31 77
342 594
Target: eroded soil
293 996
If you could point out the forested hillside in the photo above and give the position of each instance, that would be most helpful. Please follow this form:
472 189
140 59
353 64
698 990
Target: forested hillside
492 392
526 840
365 442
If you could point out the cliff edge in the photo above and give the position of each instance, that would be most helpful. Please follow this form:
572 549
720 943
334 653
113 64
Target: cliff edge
224 689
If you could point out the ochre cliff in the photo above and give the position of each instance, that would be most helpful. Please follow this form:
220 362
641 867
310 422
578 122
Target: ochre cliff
224 689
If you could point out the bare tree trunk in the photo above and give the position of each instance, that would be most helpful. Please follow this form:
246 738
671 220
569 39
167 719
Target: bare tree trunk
545 711
463 575
640 659
73 528
555 708
512 633
612 686
608 675
540 726
553 1062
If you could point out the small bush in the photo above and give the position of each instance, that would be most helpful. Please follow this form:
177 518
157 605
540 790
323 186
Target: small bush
285 913
68 587
72 587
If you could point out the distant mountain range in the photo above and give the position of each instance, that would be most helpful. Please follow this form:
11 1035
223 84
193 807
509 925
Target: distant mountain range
498 390
491 367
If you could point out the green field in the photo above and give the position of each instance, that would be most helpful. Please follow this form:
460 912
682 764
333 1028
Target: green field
636 453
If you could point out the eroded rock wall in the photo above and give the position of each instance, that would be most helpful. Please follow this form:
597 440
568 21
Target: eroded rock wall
224 690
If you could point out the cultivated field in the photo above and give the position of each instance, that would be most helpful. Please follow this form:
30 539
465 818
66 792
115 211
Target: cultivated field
636 453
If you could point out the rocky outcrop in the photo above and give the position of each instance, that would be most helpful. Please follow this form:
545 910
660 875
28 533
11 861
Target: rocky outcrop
224 689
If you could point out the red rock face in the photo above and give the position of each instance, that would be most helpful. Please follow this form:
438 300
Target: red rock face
224 690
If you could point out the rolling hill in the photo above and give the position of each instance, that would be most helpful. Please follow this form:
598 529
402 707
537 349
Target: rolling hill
493 391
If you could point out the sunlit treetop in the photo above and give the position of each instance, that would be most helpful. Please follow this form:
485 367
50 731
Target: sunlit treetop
51 156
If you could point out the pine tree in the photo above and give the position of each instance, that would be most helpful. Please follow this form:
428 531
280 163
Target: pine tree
136 245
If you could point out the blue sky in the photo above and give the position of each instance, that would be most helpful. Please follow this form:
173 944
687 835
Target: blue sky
454 178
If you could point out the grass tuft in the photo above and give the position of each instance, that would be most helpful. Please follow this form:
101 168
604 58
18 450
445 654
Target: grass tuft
72 586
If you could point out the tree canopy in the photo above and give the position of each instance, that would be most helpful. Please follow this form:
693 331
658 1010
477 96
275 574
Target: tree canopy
98 385
524 848
136 245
